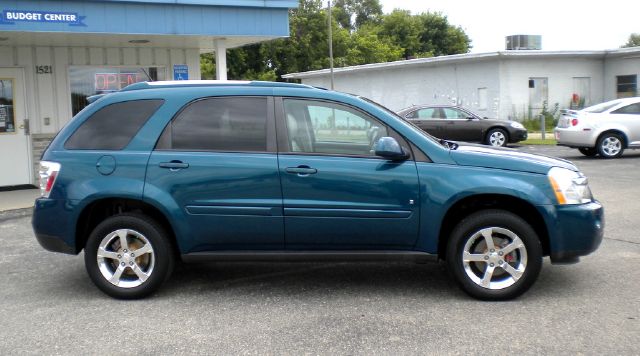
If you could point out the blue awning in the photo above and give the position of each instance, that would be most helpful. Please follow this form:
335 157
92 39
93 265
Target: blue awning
222 18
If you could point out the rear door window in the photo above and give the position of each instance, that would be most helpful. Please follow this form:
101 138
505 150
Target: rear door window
633 109
454 113
424 114
228 124
113 126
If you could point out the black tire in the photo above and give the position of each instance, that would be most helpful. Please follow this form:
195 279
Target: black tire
502 285
610 145
138 230
497 138
588 151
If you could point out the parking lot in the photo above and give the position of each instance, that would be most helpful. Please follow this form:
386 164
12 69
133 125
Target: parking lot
48 305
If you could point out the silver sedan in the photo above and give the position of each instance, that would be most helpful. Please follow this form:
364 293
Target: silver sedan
606 129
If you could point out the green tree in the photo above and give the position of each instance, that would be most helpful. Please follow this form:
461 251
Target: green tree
437 37
365 46
424 35
401 28
352 14
634 41
371 38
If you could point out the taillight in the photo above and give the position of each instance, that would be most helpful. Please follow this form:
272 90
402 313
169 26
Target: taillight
574 122
48 174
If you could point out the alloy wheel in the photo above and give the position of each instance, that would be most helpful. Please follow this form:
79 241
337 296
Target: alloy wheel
611 146
494 258
497 139
125 258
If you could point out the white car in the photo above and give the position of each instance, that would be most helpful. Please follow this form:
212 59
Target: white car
606 129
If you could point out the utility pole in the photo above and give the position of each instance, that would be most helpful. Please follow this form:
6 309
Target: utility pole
330 43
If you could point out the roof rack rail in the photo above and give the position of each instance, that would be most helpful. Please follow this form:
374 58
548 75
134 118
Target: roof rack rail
209 83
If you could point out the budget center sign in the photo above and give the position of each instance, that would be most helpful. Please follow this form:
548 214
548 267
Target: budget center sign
10 17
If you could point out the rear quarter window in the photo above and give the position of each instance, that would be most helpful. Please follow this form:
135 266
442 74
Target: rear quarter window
113 126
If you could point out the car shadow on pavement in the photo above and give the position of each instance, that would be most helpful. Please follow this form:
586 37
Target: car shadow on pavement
428 280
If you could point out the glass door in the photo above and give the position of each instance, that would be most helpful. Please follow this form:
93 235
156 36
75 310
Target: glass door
15 161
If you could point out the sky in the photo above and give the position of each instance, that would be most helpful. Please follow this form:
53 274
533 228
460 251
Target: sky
563 25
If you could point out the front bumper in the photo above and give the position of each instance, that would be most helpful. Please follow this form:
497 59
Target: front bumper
574 231
574 138
517 135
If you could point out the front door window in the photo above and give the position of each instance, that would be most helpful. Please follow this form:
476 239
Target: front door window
326 128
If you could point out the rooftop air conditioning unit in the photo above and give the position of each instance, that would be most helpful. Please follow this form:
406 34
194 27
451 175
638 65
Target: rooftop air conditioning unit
523 42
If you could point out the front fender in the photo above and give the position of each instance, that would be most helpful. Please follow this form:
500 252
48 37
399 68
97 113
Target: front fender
442 186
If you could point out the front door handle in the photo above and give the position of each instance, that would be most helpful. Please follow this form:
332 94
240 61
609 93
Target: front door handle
301 170
174 165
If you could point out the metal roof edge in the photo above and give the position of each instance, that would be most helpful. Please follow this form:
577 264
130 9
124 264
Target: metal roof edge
466 57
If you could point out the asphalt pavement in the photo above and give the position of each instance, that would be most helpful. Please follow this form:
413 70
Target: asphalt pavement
48 305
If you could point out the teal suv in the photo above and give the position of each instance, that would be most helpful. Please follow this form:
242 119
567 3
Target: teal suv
215 171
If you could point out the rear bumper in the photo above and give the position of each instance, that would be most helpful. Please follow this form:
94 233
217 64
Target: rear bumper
53 226
574 138
574 231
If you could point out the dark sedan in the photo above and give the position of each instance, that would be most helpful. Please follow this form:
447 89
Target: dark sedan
459 124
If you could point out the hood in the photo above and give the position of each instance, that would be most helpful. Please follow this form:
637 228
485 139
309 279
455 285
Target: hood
506 158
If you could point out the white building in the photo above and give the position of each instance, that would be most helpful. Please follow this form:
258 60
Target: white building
505 84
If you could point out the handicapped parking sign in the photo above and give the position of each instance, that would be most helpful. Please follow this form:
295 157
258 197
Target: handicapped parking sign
180 72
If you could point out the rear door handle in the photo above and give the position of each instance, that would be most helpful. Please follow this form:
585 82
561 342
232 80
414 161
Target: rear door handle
174 165
301 170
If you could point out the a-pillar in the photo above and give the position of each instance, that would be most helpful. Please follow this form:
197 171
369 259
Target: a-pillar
221 59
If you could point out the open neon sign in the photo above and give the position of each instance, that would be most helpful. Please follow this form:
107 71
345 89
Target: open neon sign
115 81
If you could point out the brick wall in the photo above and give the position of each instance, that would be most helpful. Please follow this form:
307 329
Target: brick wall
39 143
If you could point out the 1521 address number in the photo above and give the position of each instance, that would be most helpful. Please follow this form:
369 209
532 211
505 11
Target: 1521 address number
44 69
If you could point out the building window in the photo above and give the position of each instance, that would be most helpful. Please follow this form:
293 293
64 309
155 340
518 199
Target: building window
482 98
92 80
627 86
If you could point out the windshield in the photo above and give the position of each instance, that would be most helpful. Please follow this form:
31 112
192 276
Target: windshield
389 111
596 109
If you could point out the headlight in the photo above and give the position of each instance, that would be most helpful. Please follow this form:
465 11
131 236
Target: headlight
570 187
517 125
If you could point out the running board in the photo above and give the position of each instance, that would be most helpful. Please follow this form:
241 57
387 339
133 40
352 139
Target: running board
308 256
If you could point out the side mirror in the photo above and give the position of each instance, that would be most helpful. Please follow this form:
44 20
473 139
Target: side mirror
389 148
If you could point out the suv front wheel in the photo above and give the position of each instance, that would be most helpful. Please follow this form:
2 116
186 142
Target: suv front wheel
128 256
494 255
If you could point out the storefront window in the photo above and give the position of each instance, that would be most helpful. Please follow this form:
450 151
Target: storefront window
90 80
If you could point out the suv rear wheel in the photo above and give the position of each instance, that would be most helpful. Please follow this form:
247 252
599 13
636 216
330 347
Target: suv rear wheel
494 255
610 145
128 256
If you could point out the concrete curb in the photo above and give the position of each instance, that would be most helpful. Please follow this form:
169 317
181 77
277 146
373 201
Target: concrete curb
15 214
